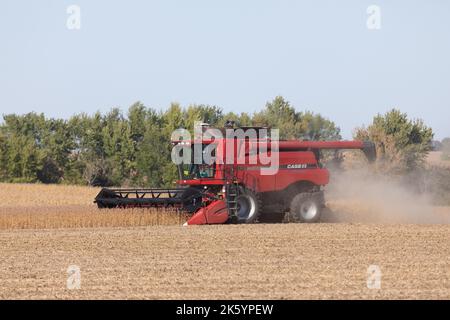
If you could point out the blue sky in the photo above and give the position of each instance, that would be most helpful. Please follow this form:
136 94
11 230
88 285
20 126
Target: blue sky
319 55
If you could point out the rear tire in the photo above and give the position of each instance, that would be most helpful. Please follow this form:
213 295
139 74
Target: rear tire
306 208
249 206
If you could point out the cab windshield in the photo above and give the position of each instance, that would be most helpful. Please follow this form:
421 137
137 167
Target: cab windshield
197 170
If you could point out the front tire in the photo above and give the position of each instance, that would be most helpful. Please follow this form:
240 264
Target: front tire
306 208
249 205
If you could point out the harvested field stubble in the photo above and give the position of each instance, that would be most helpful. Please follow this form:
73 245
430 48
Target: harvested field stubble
120 259
280 261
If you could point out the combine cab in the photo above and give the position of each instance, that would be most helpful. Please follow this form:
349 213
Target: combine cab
239 191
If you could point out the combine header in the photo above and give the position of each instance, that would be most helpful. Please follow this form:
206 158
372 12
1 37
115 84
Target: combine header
216 190
125 198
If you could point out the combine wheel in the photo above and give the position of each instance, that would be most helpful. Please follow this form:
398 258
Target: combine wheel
306 207
248 206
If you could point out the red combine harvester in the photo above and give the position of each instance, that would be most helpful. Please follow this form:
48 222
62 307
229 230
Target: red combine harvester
239 191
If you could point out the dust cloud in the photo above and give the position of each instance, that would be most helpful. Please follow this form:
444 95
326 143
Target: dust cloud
362 197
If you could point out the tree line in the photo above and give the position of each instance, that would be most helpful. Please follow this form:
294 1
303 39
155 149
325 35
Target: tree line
131 149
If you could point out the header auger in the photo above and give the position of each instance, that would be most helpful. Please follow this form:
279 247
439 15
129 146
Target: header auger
232 186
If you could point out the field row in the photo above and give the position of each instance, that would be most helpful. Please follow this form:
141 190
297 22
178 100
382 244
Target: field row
281 261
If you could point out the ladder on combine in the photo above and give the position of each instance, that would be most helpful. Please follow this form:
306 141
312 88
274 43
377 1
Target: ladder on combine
231 193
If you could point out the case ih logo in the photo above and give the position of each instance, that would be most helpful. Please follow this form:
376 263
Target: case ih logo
297 166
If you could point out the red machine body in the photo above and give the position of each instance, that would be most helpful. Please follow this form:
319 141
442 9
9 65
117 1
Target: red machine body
297 161
298 171
214 213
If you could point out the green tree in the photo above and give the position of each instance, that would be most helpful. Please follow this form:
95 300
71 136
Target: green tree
202 113
24 159
242 119
4 174
56 146
154 154
402 144
91 149
315 127
137 115
279 114
27 144
173 119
